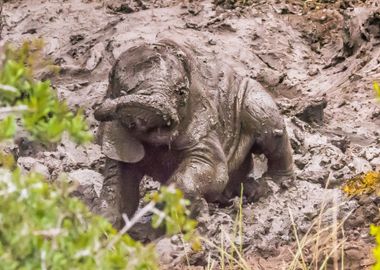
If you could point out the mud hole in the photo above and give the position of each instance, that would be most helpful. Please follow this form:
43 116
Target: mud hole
318 58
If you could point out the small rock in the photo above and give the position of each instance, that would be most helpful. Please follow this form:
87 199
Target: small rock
313 112
302 162
32 164
260 166
52 45
194 9
86 177
341 142
315 142
26 162
144 231
211 42
338 165
360 165
299 135
315 176
95 57
343 103
79 156
325 160
120 7
371 153
41 169
313 72
165 250
375 163
345 172
296 145
270 77
30 31
354 254
365 200
74 39
375 114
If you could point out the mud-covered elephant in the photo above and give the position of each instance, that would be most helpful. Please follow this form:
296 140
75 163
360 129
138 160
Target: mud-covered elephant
182 120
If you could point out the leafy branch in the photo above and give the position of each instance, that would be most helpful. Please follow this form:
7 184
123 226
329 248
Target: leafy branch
41 225
35 102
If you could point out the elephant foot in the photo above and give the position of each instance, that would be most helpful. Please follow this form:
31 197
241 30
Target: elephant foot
283 180
199 210
111 214
255 189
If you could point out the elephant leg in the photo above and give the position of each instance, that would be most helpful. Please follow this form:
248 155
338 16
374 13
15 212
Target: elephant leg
120 191
238 179
263 119
202 174
279 155
242 181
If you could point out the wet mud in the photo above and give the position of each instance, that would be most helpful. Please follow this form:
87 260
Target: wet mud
318 60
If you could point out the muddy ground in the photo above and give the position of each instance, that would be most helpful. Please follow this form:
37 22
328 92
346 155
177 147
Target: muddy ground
317 58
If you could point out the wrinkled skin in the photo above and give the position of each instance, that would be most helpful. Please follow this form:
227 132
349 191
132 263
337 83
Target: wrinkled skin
182 121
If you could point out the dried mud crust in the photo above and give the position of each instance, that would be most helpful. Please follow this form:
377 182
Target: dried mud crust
319 63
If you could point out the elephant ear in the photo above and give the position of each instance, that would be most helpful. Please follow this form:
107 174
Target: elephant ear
119 144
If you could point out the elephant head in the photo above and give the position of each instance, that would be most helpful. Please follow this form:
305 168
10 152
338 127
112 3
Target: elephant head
146 100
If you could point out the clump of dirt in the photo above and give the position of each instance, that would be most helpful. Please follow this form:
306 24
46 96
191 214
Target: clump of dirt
317 59
232 4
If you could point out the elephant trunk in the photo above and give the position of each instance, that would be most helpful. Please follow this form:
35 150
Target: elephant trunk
139 110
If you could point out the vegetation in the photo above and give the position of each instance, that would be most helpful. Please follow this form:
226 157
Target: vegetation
363 184
375 230
41 226
376 88
40 111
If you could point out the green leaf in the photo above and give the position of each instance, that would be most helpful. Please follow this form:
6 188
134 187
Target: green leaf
9 89
376 87
47 118
7 127
41 225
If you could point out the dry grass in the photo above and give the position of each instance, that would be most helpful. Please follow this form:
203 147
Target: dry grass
322 244
231 257
321 247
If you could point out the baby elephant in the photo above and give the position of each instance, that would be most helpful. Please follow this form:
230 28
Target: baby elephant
185 121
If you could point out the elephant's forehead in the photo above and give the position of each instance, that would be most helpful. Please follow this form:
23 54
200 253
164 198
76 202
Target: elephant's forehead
149 74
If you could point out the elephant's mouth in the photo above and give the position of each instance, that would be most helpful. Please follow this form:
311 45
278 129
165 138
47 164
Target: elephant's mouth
151 118
129 123
145 119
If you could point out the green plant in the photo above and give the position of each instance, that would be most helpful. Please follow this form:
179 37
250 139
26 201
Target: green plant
365 183
34 101
41 225
376 88
175 207
375 230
